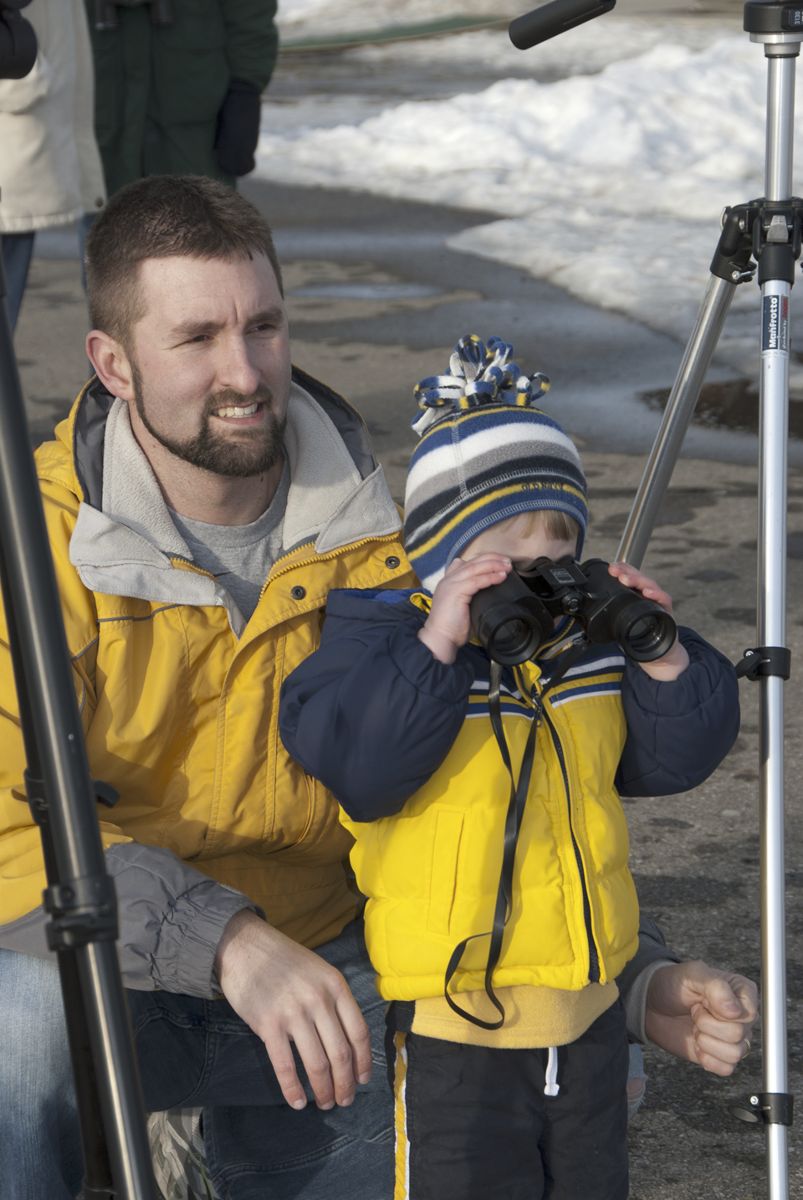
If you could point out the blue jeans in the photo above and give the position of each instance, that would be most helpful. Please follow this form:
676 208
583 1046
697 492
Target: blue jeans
192 1053
636 1080
17 252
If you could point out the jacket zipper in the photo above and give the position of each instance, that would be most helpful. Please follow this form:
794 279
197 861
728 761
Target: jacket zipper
309 562
593 953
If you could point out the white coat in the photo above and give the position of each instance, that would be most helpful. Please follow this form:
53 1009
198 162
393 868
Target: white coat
50 169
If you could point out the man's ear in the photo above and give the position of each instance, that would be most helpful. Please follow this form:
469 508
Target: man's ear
111 363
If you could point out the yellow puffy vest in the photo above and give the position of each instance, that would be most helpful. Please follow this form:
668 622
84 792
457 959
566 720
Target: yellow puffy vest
431 871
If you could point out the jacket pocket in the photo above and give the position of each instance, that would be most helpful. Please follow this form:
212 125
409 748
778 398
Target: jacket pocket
443 873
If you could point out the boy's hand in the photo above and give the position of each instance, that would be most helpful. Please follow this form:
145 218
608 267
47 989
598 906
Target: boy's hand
448 625
676 660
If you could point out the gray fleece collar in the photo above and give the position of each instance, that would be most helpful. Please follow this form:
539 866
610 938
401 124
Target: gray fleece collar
125 548
328 502
131 495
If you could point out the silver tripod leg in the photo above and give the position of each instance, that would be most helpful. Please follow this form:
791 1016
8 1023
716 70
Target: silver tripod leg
771 625
677 415
778 257
771 605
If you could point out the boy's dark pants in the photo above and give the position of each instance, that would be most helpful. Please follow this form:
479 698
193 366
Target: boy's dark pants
474 1123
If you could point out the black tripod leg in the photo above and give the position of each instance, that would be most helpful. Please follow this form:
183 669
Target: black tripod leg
97 1171
98 1180
80 897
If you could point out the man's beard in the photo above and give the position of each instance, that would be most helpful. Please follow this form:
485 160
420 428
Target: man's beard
220 455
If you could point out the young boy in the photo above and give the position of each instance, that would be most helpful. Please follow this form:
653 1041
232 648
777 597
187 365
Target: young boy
484 803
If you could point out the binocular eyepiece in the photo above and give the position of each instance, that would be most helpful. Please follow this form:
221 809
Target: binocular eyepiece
518 615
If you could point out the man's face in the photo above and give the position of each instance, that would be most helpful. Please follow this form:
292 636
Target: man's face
210 362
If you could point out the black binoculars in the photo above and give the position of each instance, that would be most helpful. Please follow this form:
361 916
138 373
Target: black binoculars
518 615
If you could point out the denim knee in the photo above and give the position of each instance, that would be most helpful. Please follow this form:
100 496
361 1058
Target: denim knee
636 1080
40 1150
340 1154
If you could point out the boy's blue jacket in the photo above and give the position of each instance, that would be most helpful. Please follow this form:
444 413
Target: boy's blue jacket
405 744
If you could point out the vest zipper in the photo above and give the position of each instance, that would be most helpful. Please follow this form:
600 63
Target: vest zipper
593 953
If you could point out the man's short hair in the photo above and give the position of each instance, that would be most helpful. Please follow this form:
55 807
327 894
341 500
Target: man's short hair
157 217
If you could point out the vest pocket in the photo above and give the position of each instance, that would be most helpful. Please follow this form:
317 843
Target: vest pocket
443 869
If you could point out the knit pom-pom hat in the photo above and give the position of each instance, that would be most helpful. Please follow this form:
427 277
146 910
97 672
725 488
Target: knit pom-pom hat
486 453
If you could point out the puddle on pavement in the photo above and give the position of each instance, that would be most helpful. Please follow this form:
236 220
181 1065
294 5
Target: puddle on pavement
729 405
365 291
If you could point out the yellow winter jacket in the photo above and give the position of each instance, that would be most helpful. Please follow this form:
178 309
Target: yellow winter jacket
179 697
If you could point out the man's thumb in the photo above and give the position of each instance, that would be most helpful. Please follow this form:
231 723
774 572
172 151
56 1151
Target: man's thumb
720 999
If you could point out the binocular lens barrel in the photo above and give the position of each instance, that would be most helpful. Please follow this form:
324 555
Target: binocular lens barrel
646 635
510 642
509 621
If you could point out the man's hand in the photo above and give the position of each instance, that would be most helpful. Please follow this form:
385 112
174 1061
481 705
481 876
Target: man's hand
701 1014
290 996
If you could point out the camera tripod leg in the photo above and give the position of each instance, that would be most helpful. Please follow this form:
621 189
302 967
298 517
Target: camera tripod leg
80 898
771 633
774 227
677 415
98 1176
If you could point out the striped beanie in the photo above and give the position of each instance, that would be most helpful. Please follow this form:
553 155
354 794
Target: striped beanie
486 453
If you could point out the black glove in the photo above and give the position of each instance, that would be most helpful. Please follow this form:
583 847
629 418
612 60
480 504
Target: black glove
238 128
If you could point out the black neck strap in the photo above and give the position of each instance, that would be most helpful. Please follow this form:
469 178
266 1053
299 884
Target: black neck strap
515 811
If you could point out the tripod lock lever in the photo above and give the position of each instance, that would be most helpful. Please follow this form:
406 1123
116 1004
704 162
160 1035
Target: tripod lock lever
765 660
768 1108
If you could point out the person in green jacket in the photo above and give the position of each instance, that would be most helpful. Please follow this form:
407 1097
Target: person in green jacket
178 85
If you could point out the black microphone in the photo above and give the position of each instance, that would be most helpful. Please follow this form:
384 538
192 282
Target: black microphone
551 19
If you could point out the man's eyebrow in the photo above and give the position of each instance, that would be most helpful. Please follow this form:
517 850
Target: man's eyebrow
188 329
273 315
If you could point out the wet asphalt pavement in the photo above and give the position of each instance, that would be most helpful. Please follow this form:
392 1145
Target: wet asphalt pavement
376 301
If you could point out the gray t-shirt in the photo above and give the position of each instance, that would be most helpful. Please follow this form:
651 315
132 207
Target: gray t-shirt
239 556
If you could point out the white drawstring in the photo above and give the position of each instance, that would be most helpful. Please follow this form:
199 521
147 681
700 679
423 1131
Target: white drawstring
551 1085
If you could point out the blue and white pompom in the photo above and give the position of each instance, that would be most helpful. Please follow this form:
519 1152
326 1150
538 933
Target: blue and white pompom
479 373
